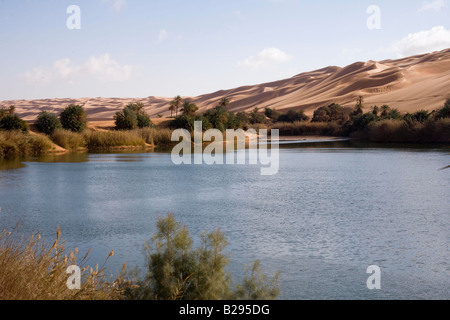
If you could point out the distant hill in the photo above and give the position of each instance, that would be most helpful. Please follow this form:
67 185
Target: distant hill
409 84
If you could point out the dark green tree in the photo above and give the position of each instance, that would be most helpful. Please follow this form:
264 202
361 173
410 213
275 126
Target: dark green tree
73 118
47 122
10 123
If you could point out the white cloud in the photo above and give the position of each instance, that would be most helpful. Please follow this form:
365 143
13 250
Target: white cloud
117 5
435 5
436 39
102 68
267 57
163 34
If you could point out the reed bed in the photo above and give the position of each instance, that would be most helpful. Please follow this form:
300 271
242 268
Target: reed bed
32 269
14 144
105 140
156 137
68 140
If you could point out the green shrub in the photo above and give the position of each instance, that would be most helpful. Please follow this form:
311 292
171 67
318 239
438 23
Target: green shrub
143 121
73 118
131 117
126 119
309 128
444 112
47 123
176 271
11 123
333 112
293 116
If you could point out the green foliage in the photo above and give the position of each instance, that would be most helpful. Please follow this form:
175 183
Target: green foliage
394 114
257 118
362 121
11 123
189 108
419 116
293 116
131 117
444 112
175 104
271 114
333 112
47 123
73 118
126 119
183 121
256 286
176 271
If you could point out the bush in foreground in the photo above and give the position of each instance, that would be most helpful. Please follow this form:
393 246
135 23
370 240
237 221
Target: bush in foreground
176 271
31 269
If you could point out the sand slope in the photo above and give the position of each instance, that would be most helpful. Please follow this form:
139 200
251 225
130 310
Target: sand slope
409 84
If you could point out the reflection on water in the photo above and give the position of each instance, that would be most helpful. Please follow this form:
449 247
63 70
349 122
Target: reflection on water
333 210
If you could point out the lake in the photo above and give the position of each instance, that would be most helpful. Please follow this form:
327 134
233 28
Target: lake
333 210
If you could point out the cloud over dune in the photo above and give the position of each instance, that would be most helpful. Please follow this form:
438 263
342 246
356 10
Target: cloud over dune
267 57
101 68
438 38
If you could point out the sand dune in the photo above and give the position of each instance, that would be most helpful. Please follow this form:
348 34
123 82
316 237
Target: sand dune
409 84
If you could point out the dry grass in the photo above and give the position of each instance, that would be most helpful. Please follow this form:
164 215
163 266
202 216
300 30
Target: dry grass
105 140
68 140
30 269
156 137
15 144
402 131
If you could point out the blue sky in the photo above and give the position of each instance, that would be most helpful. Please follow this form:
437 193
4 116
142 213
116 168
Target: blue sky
140 48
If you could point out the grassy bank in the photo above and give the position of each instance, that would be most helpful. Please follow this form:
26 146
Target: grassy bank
15 144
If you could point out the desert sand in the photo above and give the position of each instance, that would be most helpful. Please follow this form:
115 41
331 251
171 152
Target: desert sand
409 84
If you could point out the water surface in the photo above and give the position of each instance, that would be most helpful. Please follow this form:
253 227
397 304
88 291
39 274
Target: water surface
332 210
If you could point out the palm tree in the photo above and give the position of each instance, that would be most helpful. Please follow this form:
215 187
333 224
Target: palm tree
172 108
385 108
376 110
176 104
224 102
189 108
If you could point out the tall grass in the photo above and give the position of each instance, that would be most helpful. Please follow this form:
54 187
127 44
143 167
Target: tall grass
104 140
31 269
68 140
14 144
412 131
156 137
